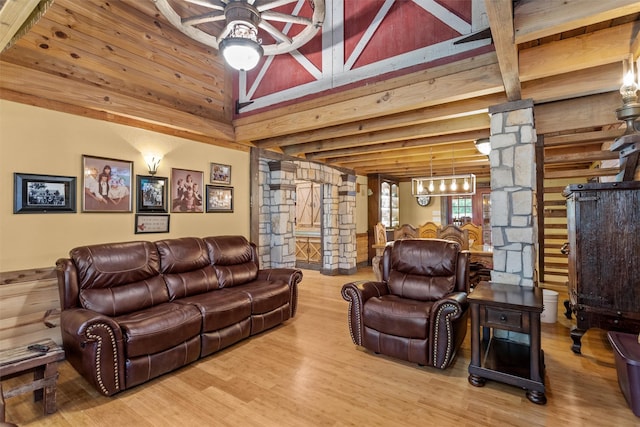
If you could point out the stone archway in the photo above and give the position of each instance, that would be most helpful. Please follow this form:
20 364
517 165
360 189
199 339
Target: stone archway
276 234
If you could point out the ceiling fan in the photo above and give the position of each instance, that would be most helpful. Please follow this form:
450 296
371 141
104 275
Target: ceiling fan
232 26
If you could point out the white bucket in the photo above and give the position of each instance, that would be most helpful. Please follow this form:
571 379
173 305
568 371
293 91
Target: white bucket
549 306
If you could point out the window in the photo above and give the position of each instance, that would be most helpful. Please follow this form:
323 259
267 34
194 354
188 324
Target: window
461 209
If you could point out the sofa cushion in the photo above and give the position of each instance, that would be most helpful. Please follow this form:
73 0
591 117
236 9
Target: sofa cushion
159 328
125 299
186 267
398 316
233 260
113 283
422 271
267 296
220 308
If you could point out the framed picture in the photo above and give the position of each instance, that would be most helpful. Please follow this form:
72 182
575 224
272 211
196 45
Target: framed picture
106 184
186 190
43 193
152 193
151 224
219 199
220 174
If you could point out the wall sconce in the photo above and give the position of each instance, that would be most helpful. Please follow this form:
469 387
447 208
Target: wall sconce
483 145
153 161
452 185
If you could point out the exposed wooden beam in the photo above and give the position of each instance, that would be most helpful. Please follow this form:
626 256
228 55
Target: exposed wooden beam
461 124
583 137
13 14
500 13
455 87
592 156
579 113
451 110
580 173
534 19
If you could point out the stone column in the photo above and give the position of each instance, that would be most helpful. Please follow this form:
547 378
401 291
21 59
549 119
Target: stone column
347 218
282 207
513 190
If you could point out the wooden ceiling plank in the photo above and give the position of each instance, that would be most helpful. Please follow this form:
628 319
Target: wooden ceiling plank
437 153
535 19
94 76
500 14
580 173
96 55
455 87
565 56
48 87
461 124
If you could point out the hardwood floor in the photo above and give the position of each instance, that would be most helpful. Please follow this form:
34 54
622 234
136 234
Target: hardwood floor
307 372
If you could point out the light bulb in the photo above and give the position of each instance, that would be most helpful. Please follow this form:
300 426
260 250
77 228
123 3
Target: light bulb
443 187
454 185
465 186
420 187
431 187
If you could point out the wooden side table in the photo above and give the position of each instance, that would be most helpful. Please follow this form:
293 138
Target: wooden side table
17 361
508 308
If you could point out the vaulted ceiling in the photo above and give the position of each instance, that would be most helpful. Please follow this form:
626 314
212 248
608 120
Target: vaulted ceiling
122 61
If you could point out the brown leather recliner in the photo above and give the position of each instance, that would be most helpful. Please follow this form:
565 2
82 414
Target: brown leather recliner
419 311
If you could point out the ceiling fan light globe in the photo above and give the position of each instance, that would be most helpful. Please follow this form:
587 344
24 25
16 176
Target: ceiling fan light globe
240 53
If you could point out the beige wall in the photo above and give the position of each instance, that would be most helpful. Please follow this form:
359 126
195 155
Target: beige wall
414 214
40 141
361 204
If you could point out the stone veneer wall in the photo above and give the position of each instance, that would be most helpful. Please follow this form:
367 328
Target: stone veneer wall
277 187
513 192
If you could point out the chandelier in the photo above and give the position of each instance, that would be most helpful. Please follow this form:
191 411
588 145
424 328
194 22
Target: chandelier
232 26
450 185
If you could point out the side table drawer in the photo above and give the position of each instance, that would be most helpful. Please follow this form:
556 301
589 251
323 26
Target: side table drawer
501 318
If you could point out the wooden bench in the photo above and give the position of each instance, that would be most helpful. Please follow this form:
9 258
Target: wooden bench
20 360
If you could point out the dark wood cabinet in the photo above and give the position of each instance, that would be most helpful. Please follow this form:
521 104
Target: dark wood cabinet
603 224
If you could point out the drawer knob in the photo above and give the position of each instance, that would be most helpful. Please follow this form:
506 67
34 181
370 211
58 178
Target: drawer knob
503 317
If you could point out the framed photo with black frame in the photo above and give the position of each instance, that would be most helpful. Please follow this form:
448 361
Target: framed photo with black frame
43 193
219 198
152 194
106 184
154 223
220 174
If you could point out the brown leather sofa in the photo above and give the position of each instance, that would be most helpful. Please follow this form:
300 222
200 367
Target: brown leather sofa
419 311
133 311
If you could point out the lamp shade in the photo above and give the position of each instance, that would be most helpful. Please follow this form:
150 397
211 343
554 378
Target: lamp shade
241 53
483 145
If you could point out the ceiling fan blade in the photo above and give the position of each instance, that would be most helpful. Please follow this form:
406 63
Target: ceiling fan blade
211 4
263 5
276 33
283 17
205 17
224 33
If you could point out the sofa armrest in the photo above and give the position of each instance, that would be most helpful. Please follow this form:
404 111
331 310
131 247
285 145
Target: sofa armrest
93 345
448 319
291 276
357 293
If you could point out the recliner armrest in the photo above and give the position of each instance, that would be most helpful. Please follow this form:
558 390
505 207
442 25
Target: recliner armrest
447 314
291 276
357 293
93 345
